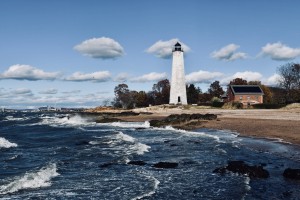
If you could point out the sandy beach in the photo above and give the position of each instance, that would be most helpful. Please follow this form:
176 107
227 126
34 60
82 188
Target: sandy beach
282 124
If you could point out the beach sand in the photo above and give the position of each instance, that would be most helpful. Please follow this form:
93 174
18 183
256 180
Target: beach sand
282 124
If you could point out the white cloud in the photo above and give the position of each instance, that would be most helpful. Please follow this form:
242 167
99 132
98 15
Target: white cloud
27 72
49 91
104 48
100 76
22 91
228 53
202 76
272 80
163 49
279 51
246 75
153 76
72 92
122 77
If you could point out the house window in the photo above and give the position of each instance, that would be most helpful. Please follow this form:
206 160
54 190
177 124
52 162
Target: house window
257 98
241 97
248 98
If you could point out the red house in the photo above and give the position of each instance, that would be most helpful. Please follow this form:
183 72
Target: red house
245 94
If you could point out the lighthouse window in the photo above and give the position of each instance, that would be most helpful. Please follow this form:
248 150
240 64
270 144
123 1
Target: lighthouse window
179 100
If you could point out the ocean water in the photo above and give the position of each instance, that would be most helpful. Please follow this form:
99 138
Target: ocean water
48 156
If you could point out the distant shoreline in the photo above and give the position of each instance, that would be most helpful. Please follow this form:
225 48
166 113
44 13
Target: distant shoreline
281 124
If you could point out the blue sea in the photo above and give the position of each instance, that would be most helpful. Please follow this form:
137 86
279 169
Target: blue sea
52 156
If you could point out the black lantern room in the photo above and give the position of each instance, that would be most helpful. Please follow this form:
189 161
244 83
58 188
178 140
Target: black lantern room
177 47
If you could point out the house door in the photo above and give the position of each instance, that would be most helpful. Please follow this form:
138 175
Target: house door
179 101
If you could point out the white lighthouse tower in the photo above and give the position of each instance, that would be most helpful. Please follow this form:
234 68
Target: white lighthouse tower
178 88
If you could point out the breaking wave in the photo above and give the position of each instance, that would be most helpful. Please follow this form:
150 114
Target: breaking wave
148 194
67 120
6 144
140 148
132 144
125 137
146 124
137 147
37 179
12 118
191 133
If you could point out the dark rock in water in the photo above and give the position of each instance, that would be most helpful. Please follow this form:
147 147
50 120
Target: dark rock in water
156 123
140 128
105 165
174 145
241 168
83 142
292 173
181 119
137 162
165 165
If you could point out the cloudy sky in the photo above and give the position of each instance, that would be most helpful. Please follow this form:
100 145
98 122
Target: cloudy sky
74 52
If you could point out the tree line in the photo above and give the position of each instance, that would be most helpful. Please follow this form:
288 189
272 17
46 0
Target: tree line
287 91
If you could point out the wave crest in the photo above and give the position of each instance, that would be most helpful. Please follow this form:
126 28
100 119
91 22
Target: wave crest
6 144
37 179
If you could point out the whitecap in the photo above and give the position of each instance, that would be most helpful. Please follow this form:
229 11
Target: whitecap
148 194
247 183
140 148
6 144
12 118
125 137
37 179
72 121
145 124
191 133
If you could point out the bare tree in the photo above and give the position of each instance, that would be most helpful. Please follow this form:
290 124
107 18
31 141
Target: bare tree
290 81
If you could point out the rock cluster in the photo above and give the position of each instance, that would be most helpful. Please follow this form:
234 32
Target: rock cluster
182 119
165 165
242 168
292 173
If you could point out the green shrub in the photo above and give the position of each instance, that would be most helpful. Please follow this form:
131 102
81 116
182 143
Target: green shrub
233 105
237 105
217 104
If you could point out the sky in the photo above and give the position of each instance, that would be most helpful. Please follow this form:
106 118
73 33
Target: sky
72 53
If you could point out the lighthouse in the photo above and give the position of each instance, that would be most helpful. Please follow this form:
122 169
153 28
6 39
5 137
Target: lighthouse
178 89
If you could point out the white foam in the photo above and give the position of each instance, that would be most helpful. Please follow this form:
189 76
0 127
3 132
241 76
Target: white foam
125 137
191 133
37 179
146 124
12 118
140 148
6 144
65 121
148 194
247 182
95 142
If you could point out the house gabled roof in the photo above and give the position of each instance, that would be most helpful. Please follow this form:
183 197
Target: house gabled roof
246 89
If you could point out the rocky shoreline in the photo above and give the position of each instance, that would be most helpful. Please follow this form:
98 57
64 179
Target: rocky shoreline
188 122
